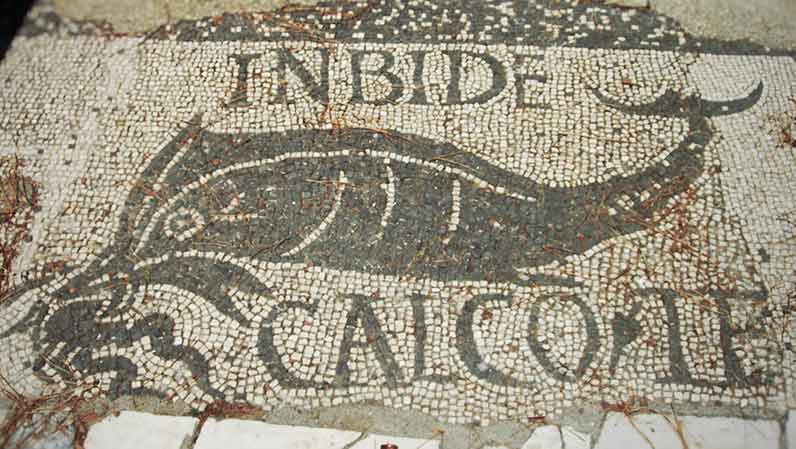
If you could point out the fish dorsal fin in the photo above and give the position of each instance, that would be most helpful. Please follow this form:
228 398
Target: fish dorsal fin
155 183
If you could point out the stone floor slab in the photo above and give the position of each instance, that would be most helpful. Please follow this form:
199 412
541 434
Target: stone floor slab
135 430
643 430
218 434
546 437
377 441
554 437
573 439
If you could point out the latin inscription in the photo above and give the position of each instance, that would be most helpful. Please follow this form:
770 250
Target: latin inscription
396 85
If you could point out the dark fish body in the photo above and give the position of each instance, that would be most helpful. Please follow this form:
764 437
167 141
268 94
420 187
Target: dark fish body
381 203
360 201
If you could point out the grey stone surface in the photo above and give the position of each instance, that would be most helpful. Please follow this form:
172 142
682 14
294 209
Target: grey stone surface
629 3
768 22
142 16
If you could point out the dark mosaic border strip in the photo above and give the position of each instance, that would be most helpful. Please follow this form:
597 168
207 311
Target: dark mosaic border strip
486 22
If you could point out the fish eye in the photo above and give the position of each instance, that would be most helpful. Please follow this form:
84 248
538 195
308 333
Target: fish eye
183 223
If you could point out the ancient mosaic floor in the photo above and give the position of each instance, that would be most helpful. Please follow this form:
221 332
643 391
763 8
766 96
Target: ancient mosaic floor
491 212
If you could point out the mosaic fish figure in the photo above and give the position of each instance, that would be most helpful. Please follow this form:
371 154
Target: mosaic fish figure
363 201
388 204
356 200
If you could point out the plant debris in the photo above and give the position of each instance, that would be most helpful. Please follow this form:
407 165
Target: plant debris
19 198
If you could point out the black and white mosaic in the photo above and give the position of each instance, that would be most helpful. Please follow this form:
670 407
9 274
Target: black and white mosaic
481 212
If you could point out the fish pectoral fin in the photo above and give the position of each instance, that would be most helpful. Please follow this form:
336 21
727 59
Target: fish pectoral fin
327 221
